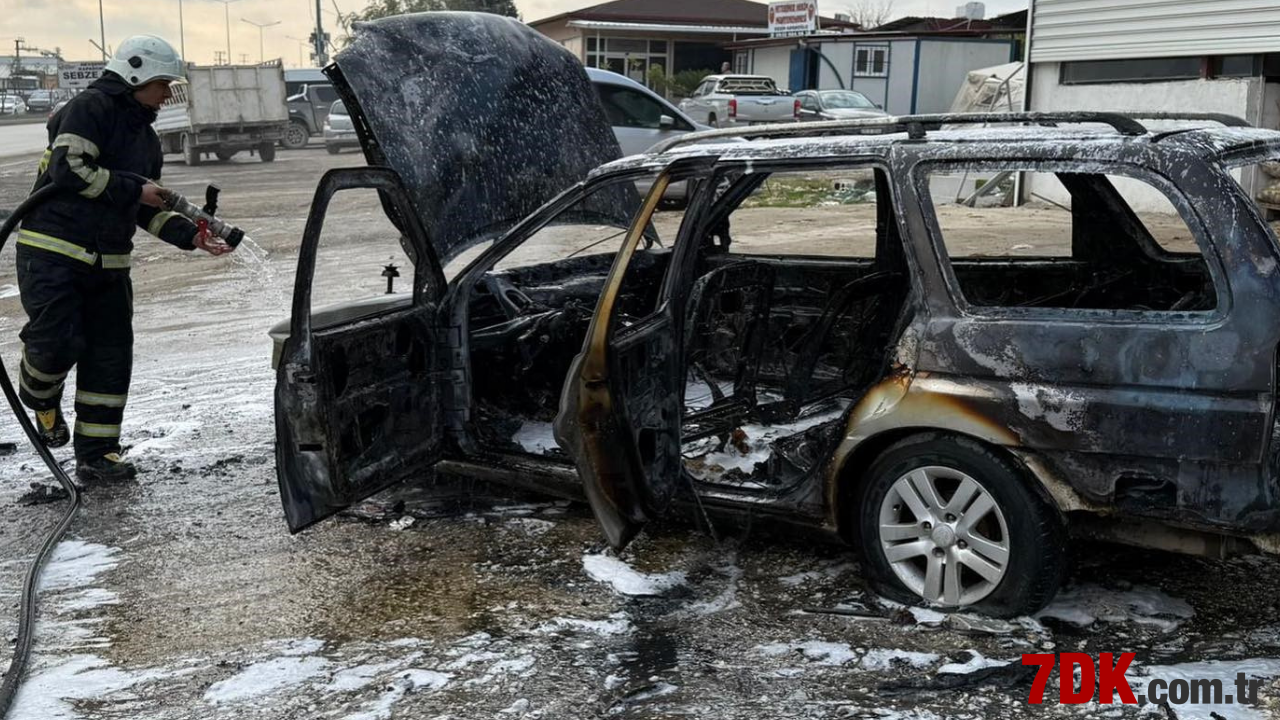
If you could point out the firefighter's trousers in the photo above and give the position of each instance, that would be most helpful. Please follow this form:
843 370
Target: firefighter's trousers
77 316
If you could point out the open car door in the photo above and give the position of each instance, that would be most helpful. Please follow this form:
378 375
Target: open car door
358 401
621 408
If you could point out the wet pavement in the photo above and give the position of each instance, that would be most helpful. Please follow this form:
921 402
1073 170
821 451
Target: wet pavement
183 596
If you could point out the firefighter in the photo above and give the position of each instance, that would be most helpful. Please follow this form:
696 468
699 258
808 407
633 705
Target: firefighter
73 252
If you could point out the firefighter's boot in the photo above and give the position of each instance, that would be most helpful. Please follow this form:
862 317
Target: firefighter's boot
108 468
52 428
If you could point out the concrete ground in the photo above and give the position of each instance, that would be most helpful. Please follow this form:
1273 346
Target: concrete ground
183 596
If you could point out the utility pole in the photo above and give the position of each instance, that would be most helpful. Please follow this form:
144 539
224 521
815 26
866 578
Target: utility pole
219 56
226 5
102 31
261 28
322 58
182 33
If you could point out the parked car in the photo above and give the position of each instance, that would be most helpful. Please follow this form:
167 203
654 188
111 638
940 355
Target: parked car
12 105
640 119
307 112
950 414
736 100
61 104
836 105
44 100
339 132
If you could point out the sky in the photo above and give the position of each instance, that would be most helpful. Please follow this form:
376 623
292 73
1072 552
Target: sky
69 24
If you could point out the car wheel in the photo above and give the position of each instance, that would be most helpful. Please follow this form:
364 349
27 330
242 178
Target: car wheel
296 136
712 121
948 522
267 152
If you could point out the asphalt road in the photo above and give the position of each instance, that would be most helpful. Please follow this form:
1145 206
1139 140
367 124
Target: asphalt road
183 596
22 139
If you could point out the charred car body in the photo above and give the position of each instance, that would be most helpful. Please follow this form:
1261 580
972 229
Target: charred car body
947 416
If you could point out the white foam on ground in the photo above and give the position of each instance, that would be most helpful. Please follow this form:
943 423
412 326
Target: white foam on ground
1224 670
84 600
626 580
886 659
407 682
529 526
266 677
975 663
820 652
617 624
727 599
362 676
49 693
75 563
536 437
1083 605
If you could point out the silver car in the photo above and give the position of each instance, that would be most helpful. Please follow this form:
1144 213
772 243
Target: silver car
339 132
836 105
12 105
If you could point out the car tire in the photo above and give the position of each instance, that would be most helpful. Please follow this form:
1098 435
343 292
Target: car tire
296 136
267 152
1002 526
333 149
712 121
190 153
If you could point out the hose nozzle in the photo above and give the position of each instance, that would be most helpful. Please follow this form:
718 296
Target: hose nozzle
205 217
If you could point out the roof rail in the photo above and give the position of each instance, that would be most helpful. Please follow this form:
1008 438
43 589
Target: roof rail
1220 118
913 125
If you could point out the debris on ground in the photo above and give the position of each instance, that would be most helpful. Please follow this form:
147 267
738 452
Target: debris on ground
41 494
8 448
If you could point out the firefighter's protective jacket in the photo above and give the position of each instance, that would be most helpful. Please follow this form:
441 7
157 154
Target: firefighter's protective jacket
98 136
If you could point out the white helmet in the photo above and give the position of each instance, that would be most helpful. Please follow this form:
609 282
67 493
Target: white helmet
143 58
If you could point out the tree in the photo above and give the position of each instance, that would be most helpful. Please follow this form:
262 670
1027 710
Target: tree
870 14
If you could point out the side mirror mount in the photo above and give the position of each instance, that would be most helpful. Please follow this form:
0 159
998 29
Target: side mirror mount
666 122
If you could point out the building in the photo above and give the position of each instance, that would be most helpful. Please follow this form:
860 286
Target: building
1190 56
630 37
34 70
904 72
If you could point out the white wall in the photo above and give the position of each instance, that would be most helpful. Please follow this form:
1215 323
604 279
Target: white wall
774 62
1119 29
944 65
902 74
841 55
1234 96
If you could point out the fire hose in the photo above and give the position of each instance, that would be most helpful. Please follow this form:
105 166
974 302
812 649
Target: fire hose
205 219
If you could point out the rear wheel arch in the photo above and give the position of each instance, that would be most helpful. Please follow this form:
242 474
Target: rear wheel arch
852 476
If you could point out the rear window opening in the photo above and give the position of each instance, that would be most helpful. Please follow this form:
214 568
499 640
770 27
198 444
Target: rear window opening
1085 241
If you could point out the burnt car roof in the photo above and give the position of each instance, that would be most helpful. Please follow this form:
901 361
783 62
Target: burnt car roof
972 143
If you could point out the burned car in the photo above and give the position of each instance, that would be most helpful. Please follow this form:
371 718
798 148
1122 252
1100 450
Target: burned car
949 411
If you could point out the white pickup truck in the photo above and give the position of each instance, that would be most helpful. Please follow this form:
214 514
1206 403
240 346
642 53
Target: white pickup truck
736 100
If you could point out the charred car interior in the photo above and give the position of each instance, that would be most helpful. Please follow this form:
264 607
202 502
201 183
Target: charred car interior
949 411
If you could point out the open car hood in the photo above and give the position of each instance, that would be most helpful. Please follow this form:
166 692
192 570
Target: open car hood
483 118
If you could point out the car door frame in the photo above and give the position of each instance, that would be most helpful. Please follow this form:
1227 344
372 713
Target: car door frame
621 409
309 472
